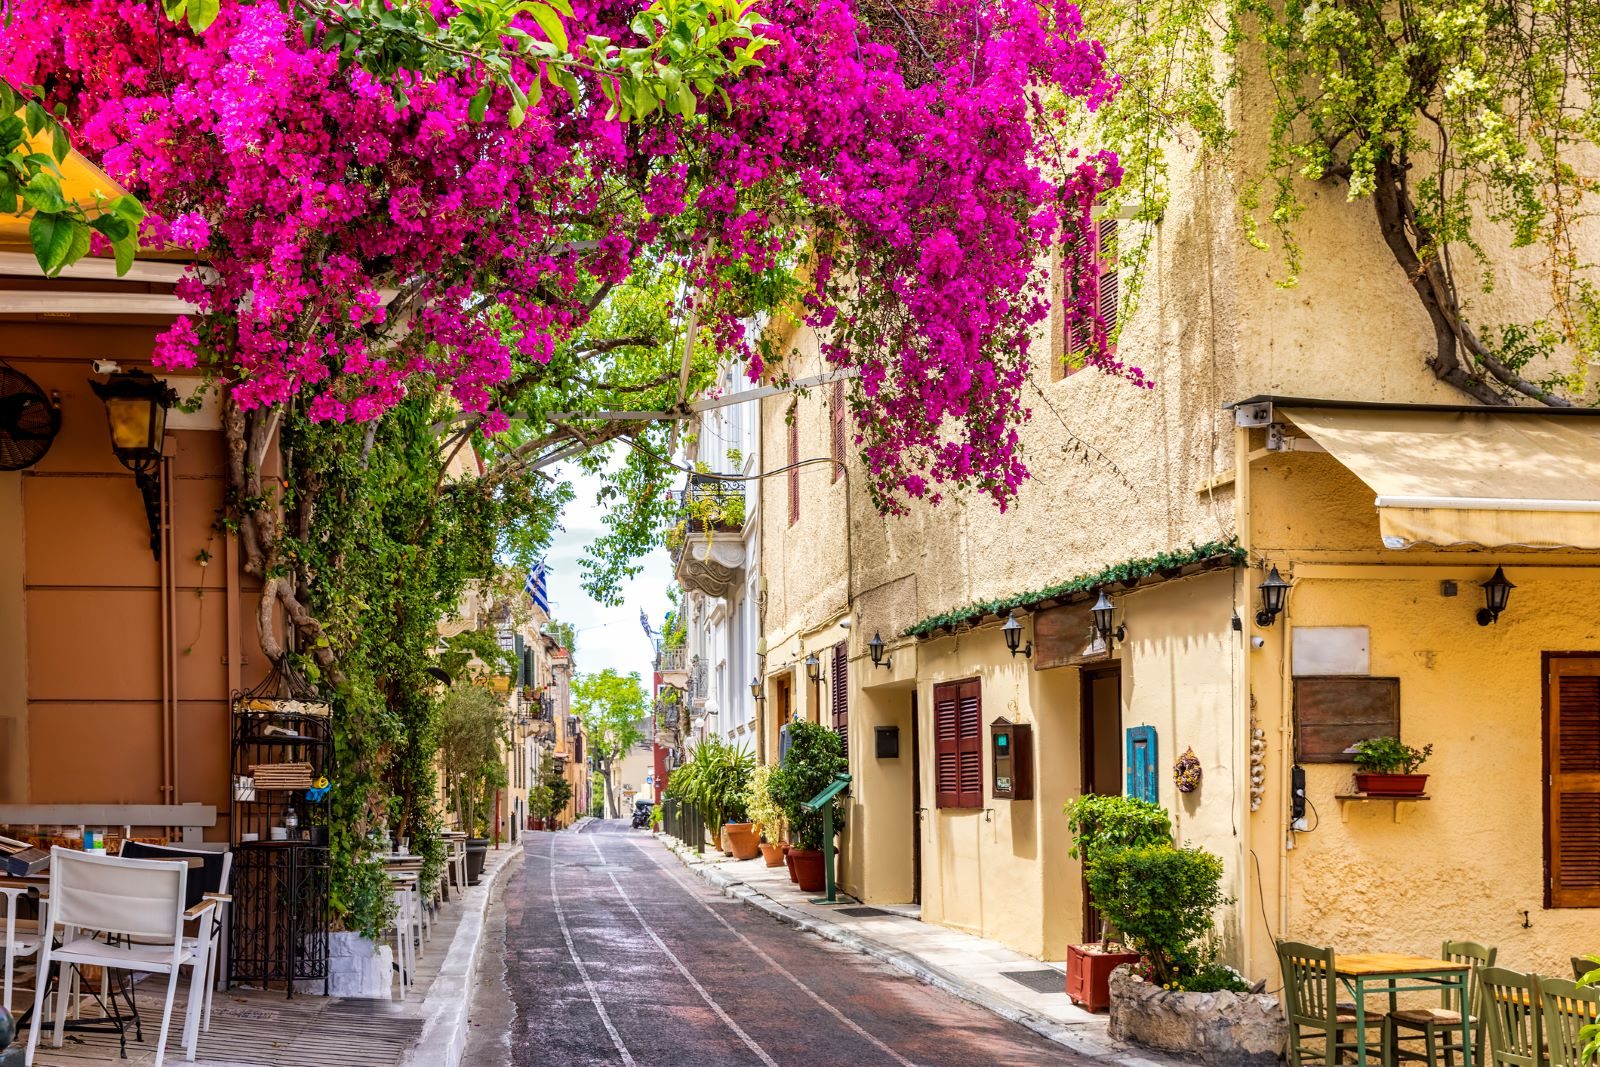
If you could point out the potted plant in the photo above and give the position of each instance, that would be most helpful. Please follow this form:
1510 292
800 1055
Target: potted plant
539 801
560 797
1386 767
471 731
1101 825
816 757
766 815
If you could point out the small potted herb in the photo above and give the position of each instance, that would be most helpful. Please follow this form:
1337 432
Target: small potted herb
1387 767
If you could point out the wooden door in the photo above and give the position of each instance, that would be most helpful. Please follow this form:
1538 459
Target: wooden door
1100 754
1572 781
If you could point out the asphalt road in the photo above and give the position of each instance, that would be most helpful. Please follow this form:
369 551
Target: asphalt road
604 950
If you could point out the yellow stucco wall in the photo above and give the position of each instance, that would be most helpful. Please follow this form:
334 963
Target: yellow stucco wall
1468 863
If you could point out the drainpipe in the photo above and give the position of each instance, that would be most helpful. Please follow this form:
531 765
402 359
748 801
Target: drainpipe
1286 762
169 651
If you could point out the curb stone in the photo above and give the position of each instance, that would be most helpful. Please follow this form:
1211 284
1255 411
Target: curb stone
445 1007
1065 1034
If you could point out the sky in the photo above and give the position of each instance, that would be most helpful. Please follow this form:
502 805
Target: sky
606 637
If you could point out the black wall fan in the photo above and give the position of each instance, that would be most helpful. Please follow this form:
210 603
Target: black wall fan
29 421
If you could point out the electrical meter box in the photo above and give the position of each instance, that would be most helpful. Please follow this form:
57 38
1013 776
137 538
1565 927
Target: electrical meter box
1011 757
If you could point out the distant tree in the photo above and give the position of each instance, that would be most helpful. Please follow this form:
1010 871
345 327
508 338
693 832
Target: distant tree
611 706
564 632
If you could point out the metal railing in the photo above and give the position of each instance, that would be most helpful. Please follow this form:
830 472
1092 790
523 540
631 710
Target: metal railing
681 819
713 503
672 659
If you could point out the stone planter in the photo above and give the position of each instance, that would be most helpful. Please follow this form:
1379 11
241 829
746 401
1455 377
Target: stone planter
357 968
1236 1029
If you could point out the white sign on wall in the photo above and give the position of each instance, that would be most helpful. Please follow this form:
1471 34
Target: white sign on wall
1331 650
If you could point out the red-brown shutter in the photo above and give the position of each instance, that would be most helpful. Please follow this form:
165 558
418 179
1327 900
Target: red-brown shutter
970 746
794 470
837 416
1572 806
958 745
841 695
1106 275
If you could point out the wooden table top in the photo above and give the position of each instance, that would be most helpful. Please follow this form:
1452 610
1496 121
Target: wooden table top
1368 964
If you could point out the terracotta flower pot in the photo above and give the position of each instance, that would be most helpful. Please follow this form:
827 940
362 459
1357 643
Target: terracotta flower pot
1391 785
773 854
788 860
808 871
1089 974
743 840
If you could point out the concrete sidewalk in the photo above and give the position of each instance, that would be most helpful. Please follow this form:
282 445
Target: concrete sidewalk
972 968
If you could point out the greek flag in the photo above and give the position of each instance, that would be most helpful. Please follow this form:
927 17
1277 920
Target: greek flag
538 587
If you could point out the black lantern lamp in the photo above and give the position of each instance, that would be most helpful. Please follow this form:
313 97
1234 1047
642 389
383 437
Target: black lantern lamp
875 650
1496 594
813 669
1013 634
1274 594
136 408
1104 613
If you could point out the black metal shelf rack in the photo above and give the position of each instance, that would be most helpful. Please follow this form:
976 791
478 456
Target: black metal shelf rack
281 889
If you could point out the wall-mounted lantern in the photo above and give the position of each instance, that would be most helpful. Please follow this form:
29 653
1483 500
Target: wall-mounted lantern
755 688
1496 594
1013 634
1104 615
136 408
1274 594
875 650
813 669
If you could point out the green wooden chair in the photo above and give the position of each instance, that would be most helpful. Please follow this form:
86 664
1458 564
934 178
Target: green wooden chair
1320 1028
1508 1005
1439 1029
1565 1008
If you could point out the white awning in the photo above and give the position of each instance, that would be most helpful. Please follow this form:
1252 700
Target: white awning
1448 478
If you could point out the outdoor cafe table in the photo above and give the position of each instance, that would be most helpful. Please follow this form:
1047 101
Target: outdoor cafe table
1392 973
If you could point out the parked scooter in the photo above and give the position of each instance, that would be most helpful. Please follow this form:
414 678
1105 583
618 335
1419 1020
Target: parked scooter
641 814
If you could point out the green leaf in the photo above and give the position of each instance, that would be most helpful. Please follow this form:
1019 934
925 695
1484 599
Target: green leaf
127 207
111 227
36 117
51 236
60 144
550 23
125 251
174 9
43 193
202 13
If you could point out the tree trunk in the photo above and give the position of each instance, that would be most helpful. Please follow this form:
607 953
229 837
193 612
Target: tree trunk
613 800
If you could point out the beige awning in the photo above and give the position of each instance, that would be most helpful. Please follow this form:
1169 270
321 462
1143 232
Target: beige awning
1463 478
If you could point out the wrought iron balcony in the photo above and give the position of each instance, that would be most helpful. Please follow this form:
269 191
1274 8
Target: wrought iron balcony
708 504
672 659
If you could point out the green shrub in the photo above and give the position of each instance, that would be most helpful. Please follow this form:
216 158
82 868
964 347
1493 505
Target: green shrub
816 757
1389 755
1101 824
761 806
1162 900
715 778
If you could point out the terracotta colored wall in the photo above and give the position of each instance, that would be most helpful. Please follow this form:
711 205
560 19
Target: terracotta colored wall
81 601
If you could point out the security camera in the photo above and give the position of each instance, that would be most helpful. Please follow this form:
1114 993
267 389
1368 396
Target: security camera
106 366
1258 641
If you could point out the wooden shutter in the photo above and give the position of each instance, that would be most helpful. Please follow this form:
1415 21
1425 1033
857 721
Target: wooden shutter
841 695
1102 285
836 416
1572 801
958 744
794 470
1142 775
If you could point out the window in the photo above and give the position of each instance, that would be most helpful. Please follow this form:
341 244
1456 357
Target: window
794 469
841 695
1103 286
958 744
836 415
1572 798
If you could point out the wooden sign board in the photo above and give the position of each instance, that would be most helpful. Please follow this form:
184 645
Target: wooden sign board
1333 712
1065 637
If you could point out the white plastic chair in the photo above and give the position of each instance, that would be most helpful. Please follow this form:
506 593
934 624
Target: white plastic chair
140 900
403 890
22 938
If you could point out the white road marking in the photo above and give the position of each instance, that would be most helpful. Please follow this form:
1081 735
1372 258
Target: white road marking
749 1041
775 965
583 972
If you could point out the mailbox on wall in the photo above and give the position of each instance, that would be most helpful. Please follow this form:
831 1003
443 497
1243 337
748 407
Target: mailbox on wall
1011 759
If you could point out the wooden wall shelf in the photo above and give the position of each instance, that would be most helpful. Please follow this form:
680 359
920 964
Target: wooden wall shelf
1346 799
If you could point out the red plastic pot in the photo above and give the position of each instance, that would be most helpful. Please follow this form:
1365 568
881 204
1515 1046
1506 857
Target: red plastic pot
1089 974
1391 785
807 864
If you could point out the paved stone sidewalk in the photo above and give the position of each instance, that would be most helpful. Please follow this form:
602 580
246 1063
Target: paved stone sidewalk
972 968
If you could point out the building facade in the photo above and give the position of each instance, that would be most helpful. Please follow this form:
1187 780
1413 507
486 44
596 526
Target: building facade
1383 500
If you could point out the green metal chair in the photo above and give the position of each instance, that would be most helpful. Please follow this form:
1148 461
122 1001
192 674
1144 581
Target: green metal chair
1566 1008
1508 1007
1310 999
1439 1029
